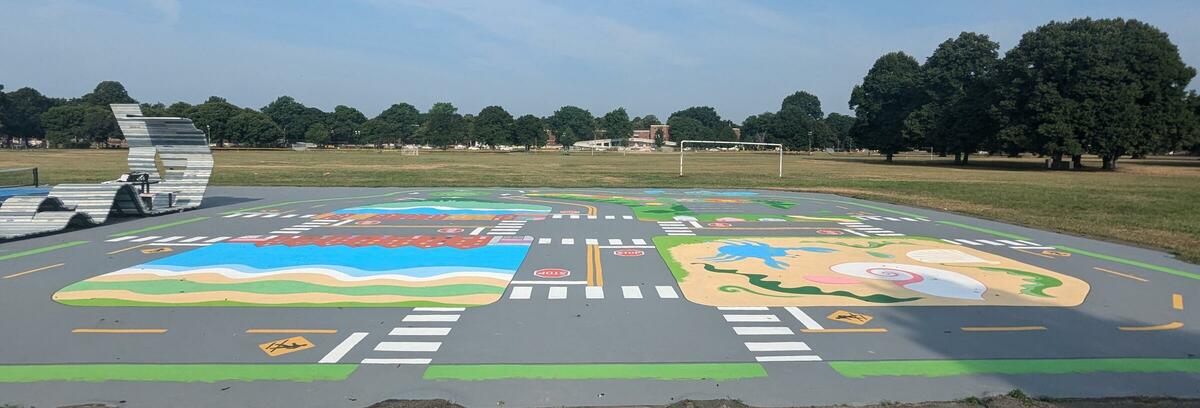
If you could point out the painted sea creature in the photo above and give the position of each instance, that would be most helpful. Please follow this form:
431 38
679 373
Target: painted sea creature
923 279
738 250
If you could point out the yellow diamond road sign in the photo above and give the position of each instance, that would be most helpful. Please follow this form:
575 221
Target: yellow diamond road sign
285 346
849 317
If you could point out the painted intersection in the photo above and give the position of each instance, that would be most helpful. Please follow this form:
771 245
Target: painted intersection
582 297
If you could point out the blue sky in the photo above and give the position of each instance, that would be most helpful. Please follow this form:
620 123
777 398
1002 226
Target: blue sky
741 57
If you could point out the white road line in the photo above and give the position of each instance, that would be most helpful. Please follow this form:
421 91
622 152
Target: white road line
295 229
696 225
557 292
777 346
431 318
288 216
439 309
762 331
574 216
614 241
994 243
476 231
804 319
251 215
1007 242
743 318
639 241
149 238
626 217
591 241
341 223
271 215
568 241
194 239
968 242
419 331
676 234
907 219
342 348
544 241
217 239
233 215
127 237
666 292
952 242
610 217
626 246
591 217
1033 247
556 216
891 218
594 292
767 359
631 292
286 232
547 282
307 215
1028 243
394 361
321 221
502 233
520 292
745 308
856 233
420 346
890 235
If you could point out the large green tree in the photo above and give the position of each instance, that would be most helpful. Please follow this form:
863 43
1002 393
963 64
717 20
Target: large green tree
106 93
293 116
78 125
213 118
317 134
644 122
1109 87
804 102
840 126
617 126
345 123
443 126
578 120
529 131
688 128
22 116
958 83
889 92
253 128
493 127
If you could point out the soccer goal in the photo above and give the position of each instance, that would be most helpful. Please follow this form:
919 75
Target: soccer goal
410 151
684 143
19 177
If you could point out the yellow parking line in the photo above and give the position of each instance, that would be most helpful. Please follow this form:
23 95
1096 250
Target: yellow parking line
32 271
1177 301
1168 326
591 272
1123 275
874 330
292 331
121 331
1002 328
599 266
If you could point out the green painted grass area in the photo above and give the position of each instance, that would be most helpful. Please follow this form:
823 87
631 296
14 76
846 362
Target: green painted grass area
188 373
652 371
159 226
36 251
1150 202
947 368
107 302
281 287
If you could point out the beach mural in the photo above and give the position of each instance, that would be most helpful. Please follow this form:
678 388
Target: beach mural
316 271
836 271
450 209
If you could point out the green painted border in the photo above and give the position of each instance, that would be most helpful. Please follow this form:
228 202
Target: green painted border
878 208
159 226
948 368
187 373
36 251
1000 234
315 200
601 371
1130 262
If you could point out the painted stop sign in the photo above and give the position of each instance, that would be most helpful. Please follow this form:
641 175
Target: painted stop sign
551 273
629 252
829 232
450 230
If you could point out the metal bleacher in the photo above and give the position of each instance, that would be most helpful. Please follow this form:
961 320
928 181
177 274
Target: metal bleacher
144 191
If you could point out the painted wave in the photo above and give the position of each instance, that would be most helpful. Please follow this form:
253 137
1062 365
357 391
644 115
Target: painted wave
359 260
332 271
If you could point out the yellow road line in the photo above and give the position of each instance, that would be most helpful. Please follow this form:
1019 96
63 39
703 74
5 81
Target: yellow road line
33 270
591 272
1176 301
1168 326
1035 253
126 249
591 209
121 331
1002 328
292 331
1123 275
599 266
872 330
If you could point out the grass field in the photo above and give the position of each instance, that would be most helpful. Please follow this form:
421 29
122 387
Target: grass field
1154 202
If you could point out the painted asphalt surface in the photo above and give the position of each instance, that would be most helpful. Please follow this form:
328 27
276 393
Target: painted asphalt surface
644 315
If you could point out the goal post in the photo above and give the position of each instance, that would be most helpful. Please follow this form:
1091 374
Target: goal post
684 142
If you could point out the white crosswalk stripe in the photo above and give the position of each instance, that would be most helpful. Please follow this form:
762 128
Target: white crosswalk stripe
573 289
778 339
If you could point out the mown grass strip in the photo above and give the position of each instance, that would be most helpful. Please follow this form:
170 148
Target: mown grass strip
653 371
187 373
948 368
36 251
159 226
1130 262
1000 234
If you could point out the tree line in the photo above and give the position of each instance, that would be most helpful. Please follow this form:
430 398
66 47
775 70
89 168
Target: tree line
1107 87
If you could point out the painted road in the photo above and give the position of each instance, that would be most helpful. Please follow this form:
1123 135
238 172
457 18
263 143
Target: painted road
544 297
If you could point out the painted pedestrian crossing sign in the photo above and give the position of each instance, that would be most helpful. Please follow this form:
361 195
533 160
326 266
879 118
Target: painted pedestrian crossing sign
284 346
849 317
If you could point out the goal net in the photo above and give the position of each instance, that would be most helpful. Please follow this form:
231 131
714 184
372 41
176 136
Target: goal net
19 177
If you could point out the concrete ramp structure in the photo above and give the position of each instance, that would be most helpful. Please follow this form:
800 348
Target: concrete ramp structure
145 191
